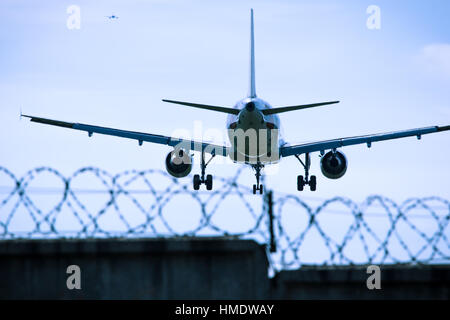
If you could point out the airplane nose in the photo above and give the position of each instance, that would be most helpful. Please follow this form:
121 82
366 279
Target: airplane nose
250 106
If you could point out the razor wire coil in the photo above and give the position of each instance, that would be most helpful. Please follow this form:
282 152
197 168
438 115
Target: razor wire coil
295 239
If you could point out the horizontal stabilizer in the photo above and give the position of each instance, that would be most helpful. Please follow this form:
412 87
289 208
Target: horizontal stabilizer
292 108
204 106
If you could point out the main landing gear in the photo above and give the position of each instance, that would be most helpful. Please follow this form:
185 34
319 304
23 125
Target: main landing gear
198 180
257 186
302 181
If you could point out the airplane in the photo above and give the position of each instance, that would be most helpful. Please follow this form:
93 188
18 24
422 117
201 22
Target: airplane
112 17
249 118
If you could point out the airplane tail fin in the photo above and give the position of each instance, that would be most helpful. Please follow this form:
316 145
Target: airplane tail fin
252 89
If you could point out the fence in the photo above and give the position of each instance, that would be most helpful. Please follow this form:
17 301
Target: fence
94 203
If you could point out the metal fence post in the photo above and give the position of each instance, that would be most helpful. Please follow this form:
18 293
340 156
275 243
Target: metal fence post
269 204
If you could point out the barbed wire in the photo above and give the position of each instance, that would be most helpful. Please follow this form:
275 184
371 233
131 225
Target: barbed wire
144 204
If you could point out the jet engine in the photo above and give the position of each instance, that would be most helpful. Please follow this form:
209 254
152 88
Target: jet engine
333 164
178 163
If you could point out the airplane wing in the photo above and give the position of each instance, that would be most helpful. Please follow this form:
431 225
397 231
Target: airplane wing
139 136
367 139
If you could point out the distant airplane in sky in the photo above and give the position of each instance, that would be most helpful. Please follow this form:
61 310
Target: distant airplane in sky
113 17
253 129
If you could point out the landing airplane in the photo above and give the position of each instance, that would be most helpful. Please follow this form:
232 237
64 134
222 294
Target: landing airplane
253 128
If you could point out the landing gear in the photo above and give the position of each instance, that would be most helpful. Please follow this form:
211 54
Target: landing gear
198 180
302 181
260 188
313 183
209 182
257 186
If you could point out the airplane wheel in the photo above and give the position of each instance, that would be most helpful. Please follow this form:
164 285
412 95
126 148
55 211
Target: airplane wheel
313 183
196 182
254 189
300 183
209 182
261 189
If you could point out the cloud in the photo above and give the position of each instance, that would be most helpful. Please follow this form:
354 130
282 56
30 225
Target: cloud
436 58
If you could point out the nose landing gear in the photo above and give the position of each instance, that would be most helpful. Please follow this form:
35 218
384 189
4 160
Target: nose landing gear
198 180
257 186
302 181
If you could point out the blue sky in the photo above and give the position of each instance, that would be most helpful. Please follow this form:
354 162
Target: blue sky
115 73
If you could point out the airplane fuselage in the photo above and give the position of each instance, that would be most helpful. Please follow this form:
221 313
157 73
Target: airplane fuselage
254 137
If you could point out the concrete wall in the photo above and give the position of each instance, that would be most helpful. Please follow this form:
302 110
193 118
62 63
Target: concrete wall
134 269
192 268
397 282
